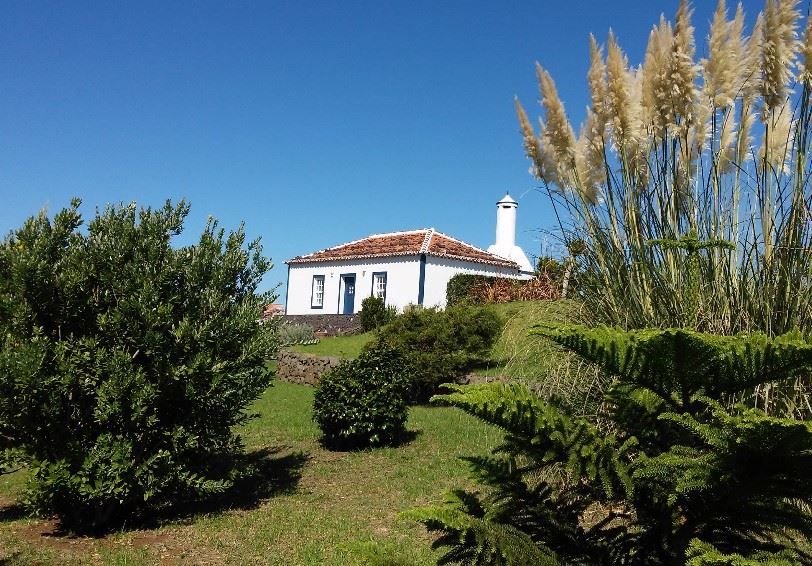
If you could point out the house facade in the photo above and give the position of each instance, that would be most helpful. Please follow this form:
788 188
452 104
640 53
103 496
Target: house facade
403 268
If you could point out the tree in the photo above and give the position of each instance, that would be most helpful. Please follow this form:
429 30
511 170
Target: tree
125 362
669 472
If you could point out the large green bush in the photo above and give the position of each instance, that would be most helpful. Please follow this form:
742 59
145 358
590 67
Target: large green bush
362 402
443 344
666 474
374 313
126 362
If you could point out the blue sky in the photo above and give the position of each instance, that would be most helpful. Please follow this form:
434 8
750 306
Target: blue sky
315 123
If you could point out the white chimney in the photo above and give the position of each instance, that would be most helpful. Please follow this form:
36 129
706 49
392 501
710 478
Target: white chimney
505 245
506 222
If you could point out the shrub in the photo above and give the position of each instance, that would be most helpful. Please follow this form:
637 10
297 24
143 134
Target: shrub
500 290
668 474
442 345
292 333
551 267
375 313
126 363
465 288
458 289
362 402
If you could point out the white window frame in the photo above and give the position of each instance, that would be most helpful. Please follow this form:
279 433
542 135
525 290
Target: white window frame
377 277
317 292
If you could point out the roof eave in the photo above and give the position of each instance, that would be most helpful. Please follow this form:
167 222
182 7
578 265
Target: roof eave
495 262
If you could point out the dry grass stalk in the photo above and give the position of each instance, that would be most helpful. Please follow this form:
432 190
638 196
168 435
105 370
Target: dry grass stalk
667 148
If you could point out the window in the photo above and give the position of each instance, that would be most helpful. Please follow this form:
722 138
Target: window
317 297
379 285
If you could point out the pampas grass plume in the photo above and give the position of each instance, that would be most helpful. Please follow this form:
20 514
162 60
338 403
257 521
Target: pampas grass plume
778 51
655 89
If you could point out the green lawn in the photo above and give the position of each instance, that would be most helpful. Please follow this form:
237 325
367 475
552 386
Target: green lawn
515 354
314 506
339 346
519 355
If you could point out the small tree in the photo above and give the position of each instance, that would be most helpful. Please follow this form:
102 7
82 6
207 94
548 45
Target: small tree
125 363
669 473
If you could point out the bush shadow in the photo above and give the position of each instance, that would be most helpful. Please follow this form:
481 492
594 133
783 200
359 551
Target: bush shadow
12 512
268 472
343 445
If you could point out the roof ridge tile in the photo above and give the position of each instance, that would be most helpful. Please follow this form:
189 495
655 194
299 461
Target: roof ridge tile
424 247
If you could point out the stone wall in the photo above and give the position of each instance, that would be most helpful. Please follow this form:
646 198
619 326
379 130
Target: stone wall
328 324
305 369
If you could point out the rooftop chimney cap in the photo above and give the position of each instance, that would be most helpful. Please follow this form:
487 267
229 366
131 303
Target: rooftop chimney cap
507 199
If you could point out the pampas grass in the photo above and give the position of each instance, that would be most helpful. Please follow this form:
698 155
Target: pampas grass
718 146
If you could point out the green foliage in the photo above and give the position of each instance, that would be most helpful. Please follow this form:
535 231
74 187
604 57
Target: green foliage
680 178
692 246
664 467
442 344
476 540
553 268
362 402
125 362
291 333
375 313
458 290
703 554
676 364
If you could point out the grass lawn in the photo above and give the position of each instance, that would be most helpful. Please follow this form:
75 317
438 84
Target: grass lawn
515 353
339 346
312 506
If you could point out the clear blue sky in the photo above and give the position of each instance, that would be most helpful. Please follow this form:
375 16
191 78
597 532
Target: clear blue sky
315 123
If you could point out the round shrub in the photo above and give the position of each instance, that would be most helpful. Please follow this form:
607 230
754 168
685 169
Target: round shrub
362 402
126 362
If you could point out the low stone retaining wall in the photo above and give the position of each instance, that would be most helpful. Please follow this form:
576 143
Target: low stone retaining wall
328 324
305 369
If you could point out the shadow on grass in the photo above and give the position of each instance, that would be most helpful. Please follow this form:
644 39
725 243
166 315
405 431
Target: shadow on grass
347 445
265 473
11 512
268 472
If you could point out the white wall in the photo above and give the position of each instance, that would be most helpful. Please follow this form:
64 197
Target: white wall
440 270
402 278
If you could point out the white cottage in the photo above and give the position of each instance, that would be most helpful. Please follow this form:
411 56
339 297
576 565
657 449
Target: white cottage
403 268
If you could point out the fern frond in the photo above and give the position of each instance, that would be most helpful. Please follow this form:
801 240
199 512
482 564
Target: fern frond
546 435
744 485
473 540
684 361
704 554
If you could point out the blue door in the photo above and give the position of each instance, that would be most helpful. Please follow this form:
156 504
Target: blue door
349 294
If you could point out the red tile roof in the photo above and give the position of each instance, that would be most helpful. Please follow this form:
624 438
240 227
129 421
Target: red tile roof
273 309
427 241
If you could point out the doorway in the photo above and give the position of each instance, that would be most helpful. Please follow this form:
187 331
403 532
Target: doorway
349 293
